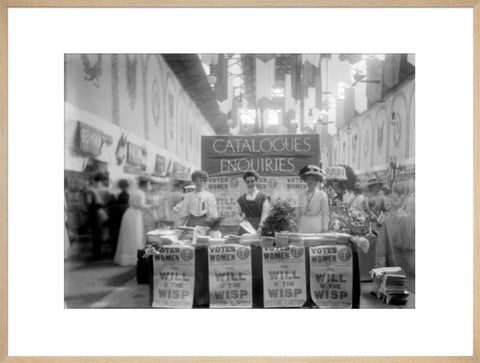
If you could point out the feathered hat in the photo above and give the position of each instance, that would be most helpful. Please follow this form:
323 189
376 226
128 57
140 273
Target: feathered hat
312 170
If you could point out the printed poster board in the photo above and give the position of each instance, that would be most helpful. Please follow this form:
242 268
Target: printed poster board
230 276
174 277
284 277
331 276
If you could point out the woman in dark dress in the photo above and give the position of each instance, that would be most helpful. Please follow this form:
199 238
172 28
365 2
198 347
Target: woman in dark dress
253 206
117 213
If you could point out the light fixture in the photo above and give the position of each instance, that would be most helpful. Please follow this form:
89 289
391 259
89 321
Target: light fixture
211 79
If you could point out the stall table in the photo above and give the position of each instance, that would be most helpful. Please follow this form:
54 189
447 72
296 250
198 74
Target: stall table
201 286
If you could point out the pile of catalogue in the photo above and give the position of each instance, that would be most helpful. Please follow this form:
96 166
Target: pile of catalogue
290 270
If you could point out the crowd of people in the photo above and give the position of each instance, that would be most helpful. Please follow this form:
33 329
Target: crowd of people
122 219
118 216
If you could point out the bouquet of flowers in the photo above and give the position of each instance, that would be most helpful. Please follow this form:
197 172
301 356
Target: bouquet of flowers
358 221
282 217
338 220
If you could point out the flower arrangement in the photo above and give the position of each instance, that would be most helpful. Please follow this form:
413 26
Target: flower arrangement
358 221
282 217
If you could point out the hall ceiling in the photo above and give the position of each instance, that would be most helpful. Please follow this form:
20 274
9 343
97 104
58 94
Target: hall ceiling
189 71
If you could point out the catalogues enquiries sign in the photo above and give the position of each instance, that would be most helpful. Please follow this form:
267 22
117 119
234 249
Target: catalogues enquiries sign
174 277
284 281
230 276
331 276
274 155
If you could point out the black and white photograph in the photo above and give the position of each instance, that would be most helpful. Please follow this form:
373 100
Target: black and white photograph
239 180
242 181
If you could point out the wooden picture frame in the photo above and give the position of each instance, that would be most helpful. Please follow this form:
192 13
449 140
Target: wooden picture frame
6 4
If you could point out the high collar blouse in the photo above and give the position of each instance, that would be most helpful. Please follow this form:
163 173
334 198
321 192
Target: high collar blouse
198 204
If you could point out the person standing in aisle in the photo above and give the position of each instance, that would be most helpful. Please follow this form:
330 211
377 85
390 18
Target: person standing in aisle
98 200
150 218
188 188
131 236
347 197
359 201
160 200
376 200
117 213
201 206
313 203
175 198
252 206
66 238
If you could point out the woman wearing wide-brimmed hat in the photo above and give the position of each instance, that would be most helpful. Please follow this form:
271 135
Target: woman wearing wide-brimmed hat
313 203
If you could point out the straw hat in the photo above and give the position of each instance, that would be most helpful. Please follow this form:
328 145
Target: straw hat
374 182
312 170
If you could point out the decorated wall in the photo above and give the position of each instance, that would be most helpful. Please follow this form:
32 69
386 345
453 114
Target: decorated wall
137 103
386 130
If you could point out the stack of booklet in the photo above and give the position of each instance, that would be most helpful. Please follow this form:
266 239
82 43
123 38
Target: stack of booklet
389 284
185 233
250 239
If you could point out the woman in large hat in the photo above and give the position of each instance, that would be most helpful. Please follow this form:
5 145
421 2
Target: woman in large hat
313 203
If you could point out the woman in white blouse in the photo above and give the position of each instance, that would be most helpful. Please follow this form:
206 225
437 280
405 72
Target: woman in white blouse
313 203
200 206
132 235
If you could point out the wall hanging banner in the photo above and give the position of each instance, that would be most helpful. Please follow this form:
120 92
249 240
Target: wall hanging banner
273 155
160 165
331 276
284 277
90 139
134 154
265 79
230 276
180 172
174 277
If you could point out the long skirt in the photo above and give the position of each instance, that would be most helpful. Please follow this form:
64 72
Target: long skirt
193 221
310 224
130 238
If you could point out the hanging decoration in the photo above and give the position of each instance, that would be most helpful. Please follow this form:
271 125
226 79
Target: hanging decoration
132 79
354 147
94 72
265 79
366 143
397 130
171 114
380 127
155 102
121 149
